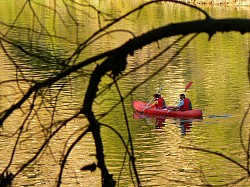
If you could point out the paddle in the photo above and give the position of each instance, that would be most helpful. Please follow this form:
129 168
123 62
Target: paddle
188 86
159 91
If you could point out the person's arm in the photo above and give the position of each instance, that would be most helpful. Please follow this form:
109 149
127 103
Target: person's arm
164 103
179 105
153 104
190 105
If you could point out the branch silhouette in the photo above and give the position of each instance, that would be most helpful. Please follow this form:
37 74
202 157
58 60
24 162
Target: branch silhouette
112 63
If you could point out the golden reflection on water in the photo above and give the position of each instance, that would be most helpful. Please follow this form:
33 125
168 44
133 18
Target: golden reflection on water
218 70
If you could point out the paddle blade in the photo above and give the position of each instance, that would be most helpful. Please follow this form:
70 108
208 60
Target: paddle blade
189 84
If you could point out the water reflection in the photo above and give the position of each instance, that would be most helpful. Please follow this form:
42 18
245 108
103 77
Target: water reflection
159 121
217 67
185 126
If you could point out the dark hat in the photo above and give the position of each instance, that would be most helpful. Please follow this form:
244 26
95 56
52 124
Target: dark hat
157 95
182 95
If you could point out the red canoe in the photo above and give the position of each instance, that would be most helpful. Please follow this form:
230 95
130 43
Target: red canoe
140 107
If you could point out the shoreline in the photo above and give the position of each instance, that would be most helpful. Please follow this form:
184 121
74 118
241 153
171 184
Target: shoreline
219 2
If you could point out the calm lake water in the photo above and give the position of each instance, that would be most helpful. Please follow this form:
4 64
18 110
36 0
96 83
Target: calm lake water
218 69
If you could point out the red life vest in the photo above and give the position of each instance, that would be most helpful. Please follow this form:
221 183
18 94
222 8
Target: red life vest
161 103
186 105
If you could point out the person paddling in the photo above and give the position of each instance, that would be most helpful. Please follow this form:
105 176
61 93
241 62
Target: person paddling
184 104
159 102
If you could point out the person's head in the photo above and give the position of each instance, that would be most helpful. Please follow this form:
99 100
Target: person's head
156 96
182 96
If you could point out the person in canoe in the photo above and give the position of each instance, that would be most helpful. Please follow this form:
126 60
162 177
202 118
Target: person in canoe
159 102
184 104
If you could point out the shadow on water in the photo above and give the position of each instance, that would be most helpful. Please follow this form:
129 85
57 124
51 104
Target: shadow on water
160 121
38 61
220 116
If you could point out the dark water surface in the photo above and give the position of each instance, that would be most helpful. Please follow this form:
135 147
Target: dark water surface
218 69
